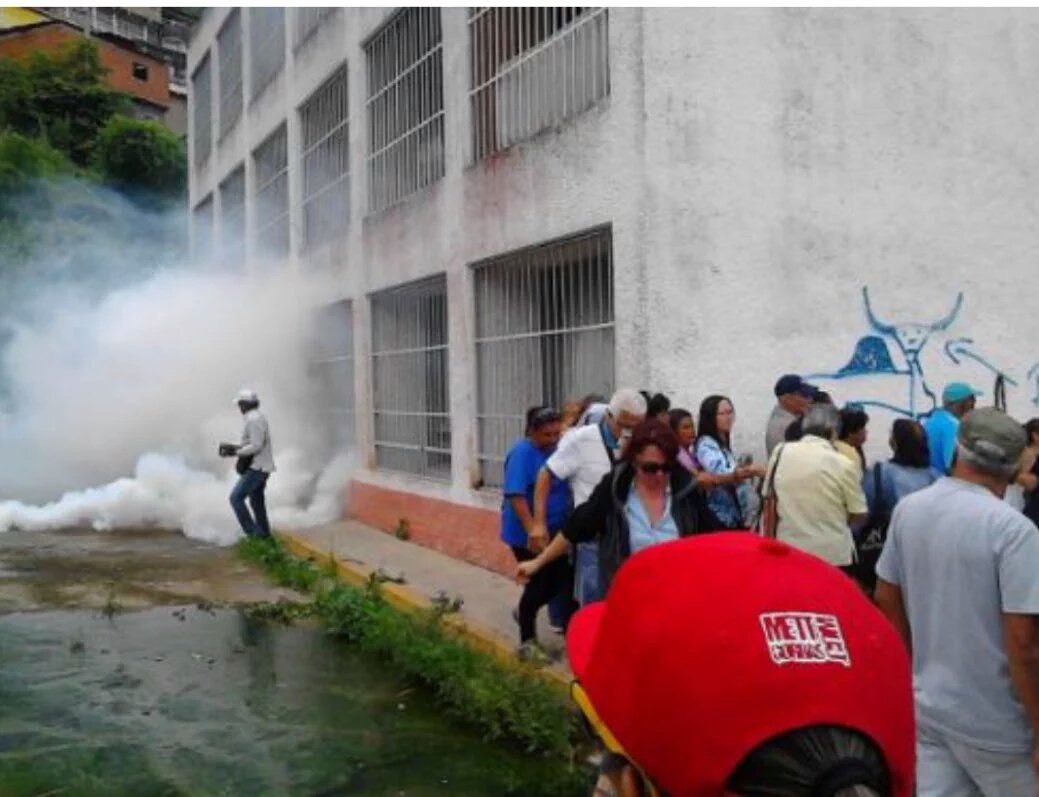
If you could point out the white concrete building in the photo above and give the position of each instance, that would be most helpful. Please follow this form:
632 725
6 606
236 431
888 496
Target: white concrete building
523 205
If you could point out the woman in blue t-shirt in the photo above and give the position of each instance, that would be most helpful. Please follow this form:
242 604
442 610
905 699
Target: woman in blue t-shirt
523 463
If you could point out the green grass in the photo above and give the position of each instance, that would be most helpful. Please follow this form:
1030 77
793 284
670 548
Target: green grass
507 702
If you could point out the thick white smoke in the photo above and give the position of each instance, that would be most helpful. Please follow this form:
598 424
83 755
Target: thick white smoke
115 405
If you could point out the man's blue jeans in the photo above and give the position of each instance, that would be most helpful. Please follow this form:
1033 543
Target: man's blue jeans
251 485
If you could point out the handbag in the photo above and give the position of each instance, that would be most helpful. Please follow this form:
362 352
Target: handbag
768 521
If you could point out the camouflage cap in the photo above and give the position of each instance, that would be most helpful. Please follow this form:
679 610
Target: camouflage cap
992 436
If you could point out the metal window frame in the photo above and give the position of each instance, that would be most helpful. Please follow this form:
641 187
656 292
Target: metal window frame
229 61
313 149
267 184
269 42
421 351
525 71
307 25
546 302
202 100
405 81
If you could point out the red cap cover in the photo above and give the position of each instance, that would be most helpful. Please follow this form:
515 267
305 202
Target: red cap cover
708 646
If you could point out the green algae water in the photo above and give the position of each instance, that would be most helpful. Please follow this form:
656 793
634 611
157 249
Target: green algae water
187 701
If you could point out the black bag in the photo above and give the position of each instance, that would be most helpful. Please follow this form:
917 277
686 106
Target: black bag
870 543
243 464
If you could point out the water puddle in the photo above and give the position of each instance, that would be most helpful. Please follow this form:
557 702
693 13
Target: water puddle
188 701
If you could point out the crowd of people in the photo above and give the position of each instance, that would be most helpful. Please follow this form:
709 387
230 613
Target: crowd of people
867 615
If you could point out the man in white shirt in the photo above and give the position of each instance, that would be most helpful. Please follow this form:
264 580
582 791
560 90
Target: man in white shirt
817 491
255 464
583 457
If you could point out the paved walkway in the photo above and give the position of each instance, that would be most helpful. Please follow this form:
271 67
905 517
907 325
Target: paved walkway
488 598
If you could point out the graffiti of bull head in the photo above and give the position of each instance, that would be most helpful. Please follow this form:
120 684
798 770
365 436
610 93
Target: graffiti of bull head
911 337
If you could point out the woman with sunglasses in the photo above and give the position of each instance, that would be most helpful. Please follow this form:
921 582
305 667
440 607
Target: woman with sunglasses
646 499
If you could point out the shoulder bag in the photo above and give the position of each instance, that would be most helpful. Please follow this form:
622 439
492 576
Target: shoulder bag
768 521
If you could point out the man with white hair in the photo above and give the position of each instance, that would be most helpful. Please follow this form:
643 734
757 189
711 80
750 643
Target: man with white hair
817 490
583 457
958 579
255 465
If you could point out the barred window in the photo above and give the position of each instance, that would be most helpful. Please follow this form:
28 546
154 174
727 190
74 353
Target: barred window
229 50
232 217
202 228
405 106
325 130
270 161
202 92
532 68
333 370
266 46
544 334
308 20
409 377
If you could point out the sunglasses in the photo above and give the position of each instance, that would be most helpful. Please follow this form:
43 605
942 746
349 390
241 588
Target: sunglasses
653 468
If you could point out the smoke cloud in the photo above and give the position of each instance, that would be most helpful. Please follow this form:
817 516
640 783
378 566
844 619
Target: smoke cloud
114 397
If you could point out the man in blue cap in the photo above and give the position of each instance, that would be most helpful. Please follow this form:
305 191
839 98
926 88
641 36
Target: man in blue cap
793 397
958 399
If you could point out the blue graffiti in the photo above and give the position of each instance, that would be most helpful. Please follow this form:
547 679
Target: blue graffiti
872 358
1033 377
961 348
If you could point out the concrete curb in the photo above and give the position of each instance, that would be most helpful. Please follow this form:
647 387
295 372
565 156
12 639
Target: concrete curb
406 599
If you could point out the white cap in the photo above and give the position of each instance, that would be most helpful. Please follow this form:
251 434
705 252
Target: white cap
247 395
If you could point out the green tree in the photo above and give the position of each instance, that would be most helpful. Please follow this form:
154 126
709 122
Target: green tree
60 97
134 154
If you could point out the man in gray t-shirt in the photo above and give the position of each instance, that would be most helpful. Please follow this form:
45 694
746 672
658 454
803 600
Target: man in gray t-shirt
959 577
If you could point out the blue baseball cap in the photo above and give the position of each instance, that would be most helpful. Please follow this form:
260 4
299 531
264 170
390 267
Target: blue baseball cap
958 391
792 383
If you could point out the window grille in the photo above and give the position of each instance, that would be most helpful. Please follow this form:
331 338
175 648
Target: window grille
333 370
405 106
202 225
270 160
409 378
232 217
308 20
229 50
544 334
201 90
266 46
532 68
325 130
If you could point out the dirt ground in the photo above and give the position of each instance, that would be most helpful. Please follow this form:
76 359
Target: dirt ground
122 570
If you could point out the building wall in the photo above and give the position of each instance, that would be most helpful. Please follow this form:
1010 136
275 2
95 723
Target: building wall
759 169
119 61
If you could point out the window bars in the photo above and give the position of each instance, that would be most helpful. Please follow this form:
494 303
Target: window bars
202 228
229 62
266 46
410 379
333 371
544 334
308 20
533 68
405 106
325 159
232 217
202 127
270 161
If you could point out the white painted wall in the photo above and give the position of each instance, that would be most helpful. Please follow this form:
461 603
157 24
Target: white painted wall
759 167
